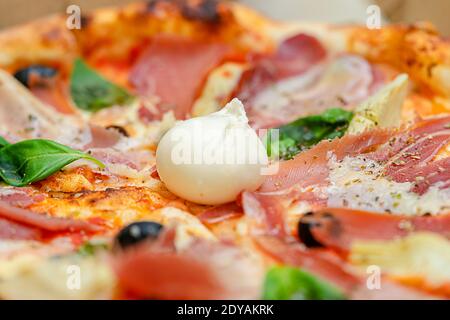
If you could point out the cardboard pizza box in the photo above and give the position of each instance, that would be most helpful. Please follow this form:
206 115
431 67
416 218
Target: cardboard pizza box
19 11
14 12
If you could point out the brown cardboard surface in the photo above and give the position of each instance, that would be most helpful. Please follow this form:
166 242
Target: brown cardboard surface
435 11
18 11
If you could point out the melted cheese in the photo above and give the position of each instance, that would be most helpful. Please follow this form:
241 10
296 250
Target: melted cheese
220 84
127 117
422 255
188 227
384 109
358 183
31 277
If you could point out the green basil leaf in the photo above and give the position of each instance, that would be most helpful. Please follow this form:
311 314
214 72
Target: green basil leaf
3 142
92 92
308 131
288 283
29 161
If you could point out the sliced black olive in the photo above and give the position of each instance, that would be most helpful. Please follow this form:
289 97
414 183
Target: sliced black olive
304 230
324 221
39 73
137 232
119 129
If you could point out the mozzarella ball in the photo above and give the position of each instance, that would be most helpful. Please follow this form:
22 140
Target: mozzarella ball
211 159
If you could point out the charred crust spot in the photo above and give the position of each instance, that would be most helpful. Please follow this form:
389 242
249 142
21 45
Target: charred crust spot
198 10
85 21
410 62
201 10
152 4
430 69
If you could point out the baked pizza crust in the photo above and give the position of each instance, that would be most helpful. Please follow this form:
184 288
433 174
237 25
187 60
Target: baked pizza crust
81 193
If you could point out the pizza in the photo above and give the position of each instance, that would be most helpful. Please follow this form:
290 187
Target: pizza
337 136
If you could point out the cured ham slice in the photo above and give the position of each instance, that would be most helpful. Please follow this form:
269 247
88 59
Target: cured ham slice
173 69
204 270
293 57
270 235
299 80
342 82
321 263
54 92
332 268
15 231
338 235
339 228
414 162
265 213
111 156
310 167
427 175
45 222
220 213
103 138
418 133
407 156
166 276
33 119
134 159
20 197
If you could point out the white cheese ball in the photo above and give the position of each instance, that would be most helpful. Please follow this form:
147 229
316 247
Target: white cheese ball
211 159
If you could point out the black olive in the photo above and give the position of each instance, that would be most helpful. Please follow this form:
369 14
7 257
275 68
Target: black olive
304 230
41 72
137 232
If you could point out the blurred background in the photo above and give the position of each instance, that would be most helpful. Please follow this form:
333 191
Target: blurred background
437 11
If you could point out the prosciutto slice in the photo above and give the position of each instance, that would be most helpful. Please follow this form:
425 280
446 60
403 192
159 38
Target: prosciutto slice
204 270
23 116
221 213
407 156
427 175
338 228
20 197
325 264
172 69
310 167
15 231
413 160
401 143
293 57
321 263
44 222
265 213
299 79
103 138
55 94
337 236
